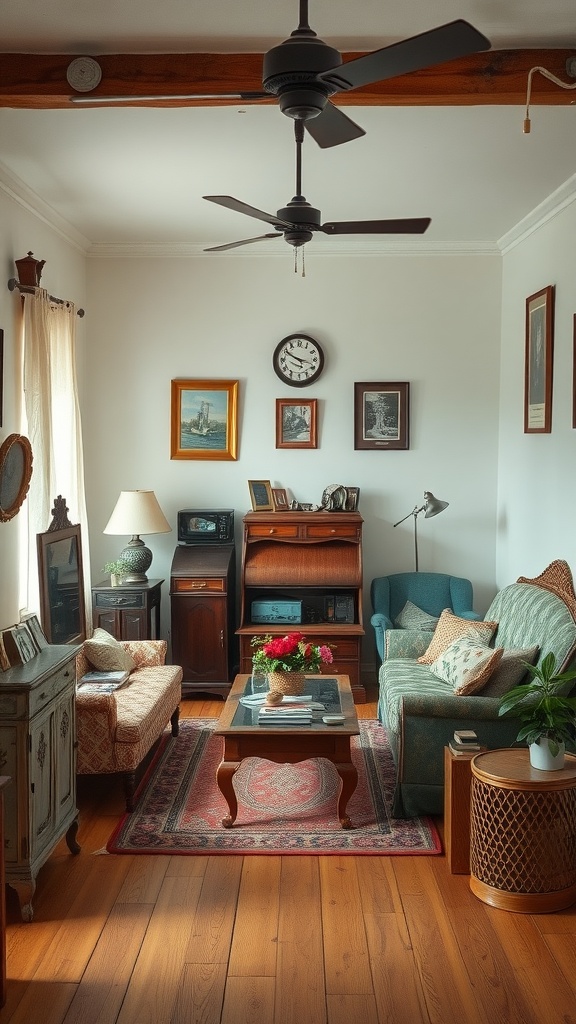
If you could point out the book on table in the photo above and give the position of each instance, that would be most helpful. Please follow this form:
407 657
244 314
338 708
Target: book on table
464 748
285 714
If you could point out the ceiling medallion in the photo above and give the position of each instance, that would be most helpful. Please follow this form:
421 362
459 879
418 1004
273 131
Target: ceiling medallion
83 74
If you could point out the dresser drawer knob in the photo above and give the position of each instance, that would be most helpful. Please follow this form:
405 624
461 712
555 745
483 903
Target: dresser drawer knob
198 586
272 530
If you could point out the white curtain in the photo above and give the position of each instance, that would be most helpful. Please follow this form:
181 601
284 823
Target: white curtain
54 428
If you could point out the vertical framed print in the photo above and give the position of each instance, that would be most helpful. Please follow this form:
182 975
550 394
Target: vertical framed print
538 361
381 416
296 423
204 419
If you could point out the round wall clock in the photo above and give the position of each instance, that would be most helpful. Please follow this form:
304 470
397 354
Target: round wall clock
298 360
15 474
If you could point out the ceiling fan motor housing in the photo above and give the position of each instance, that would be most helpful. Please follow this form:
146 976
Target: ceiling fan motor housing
290 71
305 219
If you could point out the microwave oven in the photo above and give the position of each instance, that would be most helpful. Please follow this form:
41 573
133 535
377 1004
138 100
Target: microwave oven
206 526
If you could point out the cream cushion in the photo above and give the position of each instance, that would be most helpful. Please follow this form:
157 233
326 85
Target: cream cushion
105 653
450 627
413 617
466 664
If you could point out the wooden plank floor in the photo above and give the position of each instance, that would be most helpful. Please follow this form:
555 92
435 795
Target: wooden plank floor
274 940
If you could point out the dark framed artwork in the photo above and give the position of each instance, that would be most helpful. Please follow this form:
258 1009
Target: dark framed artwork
538 362
204 419
574 371
260 495
352 499
296 423
381 416
1 373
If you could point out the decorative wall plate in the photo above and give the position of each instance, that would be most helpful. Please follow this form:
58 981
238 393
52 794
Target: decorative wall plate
15 474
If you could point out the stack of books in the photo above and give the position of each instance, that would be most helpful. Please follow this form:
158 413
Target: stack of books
102 682
285 714
464 741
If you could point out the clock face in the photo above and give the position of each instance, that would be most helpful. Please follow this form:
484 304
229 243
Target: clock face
298 360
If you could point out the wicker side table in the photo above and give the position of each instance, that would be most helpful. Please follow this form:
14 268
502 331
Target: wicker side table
523 832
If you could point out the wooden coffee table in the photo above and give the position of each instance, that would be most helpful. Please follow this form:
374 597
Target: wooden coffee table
288 744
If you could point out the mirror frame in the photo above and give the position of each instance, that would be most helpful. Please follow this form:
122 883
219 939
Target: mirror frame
15 457
44 541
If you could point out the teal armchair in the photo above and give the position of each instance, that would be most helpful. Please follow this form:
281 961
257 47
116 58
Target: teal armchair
432 592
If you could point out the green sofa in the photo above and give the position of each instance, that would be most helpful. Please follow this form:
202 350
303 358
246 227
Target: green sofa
421 712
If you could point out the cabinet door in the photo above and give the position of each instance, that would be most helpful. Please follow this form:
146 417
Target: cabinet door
41 749
109 620
200 638
64 756
134 625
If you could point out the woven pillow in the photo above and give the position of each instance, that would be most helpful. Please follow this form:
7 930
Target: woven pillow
466 664
105 654
449 628
413 617
510 672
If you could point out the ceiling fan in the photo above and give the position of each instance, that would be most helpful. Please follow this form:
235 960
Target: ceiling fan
304 73
298 221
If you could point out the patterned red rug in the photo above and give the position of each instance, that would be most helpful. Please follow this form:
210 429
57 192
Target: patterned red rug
282 808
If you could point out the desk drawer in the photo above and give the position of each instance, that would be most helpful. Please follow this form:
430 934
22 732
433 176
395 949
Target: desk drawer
189 586
325 531
47 691
281 531
105 599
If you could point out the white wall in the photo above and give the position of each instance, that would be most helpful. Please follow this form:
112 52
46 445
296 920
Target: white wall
536 483
64 275
431 321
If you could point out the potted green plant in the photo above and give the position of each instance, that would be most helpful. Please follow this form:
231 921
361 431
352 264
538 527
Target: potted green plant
548 717
117 569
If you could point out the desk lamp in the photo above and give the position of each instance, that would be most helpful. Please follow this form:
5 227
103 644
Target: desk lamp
431 507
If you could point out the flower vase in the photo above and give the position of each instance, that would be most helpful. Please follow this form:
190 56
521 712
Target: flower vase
290 684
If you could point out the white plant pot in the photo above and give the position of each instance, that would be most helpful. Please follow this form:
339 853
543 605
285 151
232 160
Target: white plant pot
542 758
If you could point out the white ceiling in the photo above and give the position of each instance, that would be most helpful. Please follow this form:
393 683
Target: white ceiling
136 176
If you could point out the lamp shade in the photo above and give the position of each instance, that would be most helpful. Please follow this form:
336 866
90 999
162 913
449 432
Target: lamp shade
137 512
433 505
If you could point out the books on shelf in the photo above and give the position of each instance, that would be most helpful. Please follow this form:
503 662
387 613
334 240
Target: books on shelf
465 736
464 748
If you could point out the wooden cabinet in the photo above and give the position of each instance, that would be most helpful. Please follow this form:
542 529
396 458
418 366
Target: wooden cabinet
37 750
202 602
130 611
313 559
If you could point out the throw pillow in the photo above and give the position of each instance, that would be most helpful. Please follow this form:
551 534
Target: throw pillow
105 654
413 617
449 628
510 672
466 664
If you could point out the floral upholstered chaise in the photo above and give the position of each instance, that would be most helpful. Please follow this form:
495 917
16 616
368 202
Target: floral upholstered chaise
115 731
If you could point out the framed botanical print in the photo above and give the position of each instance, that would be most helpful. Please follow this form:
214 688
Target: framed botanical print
381 416
538 362
204 419
296 423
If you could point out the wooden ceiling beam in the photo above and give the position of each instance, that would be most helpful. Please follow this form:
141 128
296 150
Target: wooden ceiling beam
495 77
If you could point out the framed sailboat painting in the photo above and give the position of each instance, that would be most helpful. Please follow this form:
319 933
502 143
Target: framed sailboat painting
204 419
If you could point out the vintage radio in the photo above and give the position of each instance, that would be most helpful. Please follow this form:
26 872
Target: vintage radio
289 612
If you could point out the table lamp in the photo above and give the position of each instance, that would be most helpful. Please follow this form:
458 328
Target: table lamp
137 512
431 507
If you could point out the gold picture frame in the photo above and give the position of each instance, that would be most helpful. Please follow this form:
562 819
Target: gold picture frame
204 419
260 495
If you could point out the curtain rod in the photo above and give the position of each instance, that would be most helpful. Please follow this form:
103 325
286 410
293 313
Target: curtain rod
13 283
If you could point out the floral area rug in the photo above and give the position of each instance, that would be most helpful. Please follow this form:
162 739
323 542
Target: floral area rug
282 808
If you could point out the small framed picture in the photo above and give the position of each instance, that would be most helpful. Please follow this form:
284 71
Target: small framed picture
4 659
24 643
352 499
381 416
296 423
280 499
538 362
35 629
260 495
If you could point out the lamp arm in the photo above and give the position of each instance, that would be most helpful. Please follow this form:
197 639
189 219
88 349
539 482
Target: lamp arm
415 511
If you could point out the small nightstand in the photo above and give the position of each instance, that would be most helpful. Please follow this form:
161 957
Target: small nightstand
130 611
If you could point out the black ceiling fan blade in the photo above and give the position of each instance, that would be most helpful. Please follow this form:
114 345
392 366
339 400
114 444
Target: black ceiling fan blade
333 127
235 204
403 226
245 241
447 42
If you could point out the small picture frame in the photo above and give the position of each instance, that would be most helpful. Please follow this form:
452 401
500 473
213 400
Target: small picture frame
381 416
204 419
260 495
538 362
35 629
352 499
4 659
24 642
280 499
296 423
